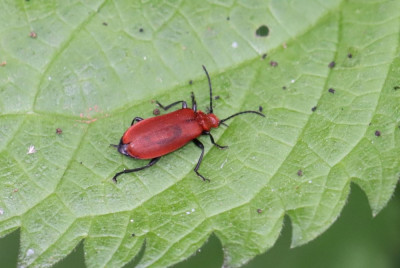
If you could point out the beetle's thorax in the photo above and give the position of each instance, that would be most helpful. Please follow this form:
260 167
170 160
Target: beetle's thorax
207 121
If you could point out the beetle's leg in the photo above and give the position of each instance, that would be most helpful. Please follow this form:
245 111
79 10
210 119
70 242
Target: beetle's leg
137 119
184 105
212 140
152 162
201 146
194 104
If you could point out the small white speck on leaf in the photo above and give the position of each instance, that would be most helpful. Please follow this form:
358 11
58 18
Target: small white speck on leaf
187 212
132 220
235 44
310 181
49 77
30 252
145 58
31 150
193 210
1 211
223 163
292 81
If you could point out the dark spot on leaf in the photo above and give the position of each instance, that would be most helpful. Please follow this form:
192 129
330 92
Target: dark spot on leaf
58 131
141 30
216 97
349 55
262 31
264 56
227 18
284 87
300 173
377 133
260 108
33 34
156 111
331 90
105 23
396 87
314 108
331 64
133 235
273 63
190 82
259 210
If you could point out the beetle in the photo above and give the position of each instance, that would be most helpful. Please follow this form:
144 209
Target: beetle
157 136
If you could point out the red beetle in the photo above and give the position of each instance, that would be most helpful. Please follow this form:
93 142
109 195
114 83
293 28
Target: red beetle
157 136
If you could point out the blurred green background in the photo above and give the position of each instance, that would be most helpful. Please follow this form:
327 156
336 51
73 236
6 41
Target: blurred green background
354 240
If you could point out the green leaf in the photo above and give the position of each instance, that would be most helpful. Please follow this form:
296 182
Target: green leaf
90 67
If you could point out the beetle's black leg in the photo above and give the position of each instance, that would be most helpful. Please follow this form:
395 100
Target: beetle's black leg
212 140
201 146
184 105
137 119
194 104
152 162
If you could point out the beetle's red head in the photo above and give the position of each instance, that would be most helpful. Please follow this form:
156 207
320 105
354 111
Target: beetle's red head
207 121
214 121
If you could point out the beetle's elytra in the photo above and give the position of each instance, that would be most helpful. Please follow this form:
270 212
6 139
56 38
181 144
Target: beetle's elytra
154 137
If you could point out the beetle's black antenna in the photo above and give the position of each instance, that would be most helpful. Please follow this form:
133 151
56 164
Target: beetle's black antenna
209 84
221 122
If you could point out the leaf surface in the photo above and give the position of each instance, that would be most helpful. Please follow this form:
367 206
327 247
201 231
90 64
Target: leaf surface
328 87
